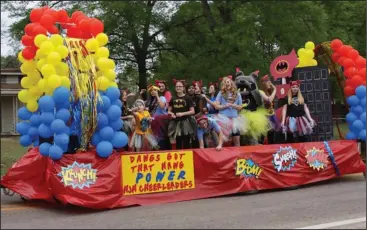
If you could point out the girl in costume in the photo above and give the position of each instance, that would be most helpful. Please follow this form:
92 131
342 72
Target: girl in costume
296 117
157 107
126 116
229 103
163 90
200 107
182 126
268 92
213 91
142 137
209 133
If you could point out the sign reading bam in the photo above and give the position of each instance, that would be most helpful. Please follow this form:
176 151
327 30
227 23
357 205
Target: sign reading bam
157 172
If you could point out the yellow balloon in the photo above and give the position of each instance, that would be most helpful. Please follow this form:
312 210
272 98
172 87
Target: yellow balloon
23 95
65 82
103 63
309 54
48 70
34 91
28 66
42 85
47 47
20 57
35 76
56 40
310 45
301 62
102 52
113 84
54 81
39 39
301 52
63 51
110 74
49 91
53 58
313 62
62 69
92 45
102 39
41 63
103 83
32 105
39 54
111 64
26 82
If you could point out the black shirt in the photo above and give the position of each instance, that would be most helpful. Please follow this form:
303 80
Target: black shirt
180 105
295 109
199 103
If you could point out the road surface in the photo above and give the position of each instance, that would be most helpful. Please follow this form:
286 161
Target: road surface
336 204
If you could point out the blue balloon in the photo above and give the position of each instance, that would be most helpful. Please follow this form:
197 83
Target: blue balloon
106 134
32 131
362 135
363 118
66 130
357 110
117 102
104 149
57 126
56 152
101 93
25 140
44 131
102 120
113 93
119 140
95 139
351 136
44 149
35 120
114 113
63 114
47 117
353 100
363 103
65 105
358 125
351 117
24 113
64 148
46 104
361 91
106 103
36 142
61 94
22 127
61 139
116 125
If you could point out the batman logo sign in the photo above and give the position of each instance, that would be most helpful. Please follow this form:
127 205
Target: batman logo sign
179 103
282 66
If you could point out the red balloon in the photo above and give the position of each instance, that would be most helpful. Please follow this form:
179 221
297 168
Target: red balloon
27 40
36 15
29 52
349 91
53 30
28 29
85 35
362 73
344 50
74 32
53 13
84 25
341 60
63 16
356 81
348 63
336 44
335 57
47 21
361 62
76 14
350 72
353 54
96 27
39 30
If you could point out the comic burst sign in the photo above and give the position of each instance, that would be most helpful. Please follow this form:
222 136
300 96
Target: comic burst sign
285 158
316 158
78 175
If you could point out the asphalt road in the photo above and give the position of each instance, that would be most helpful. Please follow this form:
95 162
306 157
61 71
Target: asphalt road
338 203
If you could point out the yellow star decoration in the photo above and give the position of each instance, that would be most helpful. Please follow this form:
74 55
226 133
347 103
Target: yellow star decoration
319 155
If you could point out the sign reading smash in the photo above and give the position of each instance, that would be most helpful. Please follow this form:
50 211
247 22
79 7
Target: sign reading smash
157 172
247 168
285 158
316 158
78 175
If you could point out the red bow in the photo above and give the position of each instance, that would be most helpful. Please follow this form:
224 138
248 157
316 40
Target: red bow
182 81
157 82
200 83
238 69
215 84
265 78
292 83
201 118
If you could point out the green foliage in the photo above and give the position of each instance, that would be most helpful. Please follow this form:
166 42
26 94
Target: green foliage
9 62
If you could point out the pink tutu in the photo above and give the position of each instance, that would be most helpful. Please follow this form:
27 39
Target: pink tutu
231 126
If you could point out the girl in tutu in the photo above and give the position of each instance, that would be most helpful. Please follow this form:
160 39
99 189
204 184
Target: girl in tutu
296 117
209 133
268 93
182 126
142 137
229 103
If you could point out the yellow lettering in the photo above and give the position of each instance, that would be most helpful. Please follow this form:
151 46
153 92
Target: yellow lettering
239 166
81 175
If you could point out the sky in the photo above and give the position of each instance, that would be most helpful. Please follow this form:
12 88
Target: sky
5 44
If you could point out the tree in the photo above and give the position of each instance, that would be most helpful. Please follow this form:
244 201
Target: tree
9 62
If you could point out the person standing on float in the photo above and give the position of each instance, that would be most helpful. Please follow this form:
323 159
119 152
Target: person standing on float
213 91
163 90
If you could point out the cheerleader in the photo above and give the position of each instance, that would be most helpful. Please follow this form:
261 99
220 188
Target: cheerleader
200 107
296 117
209 133
229 102
142 137
182 126
268 92
213 91
126 117
163 90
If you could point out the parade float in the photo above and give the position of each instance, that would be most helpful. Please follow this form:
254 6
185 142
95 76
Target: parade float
71 123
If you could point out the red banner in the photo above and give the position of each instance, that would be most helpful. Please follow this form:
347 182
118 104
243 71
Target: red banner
84 179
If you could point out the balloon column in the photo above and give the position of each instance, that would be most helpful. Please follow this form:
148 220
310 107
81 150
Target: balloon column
354 69
70 86
306 55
